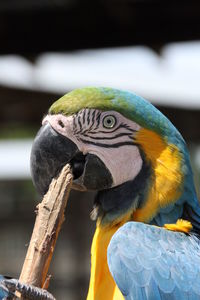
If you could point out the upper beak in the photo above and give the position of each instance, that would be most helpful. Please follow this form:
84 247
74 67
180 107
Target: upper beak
50 152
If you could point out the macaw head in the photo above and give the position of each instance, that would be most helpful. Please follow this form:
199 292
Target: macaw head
121 146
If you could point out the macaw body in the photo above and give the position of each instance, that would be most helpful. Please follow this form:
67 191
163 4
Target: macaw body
146 244
149 262
129 152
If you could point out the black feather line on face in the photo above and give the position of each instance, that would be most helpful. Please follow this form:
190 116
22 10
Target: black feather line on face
108 137
84 112
93 116
88 117
98 120
111 131
109 146
79 122
74 124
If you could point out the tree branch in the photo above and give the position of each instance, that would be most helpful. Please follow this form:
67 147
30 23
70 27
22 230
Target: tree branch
50 216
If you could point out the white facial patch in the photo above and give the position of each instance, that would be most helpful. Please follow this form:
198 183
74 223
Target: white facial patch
108 135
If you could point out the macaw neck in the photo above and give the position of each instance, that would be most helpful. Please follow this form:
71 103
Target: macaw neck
114 203
102 284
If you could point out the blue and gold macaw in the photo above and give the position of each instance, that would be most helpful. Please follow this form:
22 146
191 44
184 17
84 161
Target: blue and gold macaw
146 245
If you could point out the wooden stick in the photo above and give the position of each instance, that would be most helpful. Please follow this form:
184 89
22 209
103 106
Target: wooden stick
50 216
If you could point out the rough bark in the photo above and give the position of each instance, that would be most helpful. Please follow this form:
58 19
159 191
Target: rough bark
50 216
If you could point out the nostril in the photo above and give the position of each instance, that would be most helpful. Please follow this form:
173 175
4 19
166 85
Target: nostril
61 124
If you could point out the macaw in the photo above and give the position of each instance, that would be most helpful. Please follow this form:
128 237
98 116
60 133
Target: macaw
146 244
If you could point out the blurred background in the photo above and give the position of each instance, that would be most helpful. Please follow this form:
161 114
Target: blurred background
48 48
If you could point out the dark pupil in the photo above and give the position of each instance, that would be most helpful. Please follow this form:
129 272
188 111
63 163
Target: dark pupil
109 121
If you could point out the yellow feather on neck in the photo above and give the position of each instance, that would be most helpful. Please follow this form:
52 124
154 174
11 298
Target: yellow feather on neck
102 285
181 226
167 179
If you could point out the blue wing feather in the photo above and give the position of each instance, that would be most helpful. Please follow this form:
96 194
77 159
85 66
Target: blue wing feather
152 263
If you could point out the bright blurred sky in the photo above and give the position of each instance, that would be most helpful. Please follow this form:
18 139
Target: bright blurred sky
172 78
15 159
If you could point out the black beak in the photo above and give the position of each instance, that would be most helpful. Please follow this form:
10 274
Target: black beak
51 151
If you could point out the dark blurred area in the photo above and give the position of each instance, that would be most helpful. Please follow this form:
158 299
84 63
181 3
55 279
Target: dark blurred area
29 29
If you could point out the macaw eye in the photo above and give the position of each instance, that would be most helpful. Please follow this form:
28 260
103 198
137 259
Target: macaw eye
109 121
